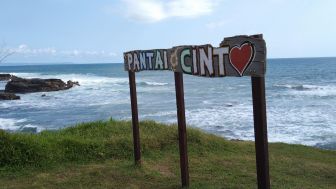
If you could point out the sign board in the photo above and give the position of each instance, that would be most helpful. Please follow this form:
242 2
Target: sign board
236 56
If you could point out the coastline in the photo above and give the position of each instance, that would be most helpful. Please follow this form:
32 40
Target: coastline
296 107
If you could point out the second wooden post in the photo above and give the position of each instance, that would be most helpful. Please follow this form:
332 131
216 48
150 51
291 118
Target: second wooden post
260 131
182 131
135 119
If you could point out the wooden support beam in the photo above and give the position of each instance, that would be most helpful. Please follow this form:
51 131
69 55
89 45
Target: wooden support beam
135 119
260 131
182 131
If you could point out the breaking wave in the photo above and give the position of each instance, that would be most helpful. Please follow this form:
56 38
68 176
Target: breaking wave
18 125
310 90
149 83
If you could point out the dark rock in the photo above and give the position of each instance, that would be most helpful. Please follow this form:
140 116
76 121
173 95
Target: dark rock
21 85
43 95
5 77
14 77
8 96
72 83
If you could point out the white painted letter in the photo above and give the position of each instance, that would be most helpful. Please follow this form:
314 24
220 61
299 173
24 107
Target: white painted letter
195 69
136 62
220 53
149 55
129 60
165 59
158 61
206 61
185 68
143 61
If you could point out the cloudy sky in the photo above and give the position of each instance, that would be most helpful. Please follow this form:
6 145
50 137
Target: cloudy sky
87 31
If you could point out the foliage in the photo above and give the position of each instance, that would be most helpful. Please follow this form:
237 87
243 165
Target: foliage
100 155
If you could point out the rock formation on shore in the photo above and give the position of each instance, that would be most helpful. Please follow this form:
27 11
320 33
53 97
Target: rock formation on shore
7 77
8 96
23 85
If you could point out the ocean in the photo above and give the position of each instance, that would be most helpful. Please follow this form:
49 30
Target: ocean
300 94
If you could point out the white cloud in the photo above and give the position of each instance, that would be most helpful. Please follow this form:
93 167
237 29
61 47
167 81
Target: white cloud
157 10
94 53
25 49
28 51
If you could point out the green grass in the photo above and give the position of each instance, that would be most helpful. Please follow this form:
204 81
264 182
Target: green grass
100 155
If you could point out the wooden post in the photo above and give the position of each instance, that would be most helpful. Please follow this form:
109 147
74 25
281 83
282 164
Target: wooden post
182 131
135 120
260 131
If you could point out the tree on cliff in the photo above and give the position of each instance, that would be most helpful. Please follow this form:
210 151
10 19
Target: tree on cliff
5 52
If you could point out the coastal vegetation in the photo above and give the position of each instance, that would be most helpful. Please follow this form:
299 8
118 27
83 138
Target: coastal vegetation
100 155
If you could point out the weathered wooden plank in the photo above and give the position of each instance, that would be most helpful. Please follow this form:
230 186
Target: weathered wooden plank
182 129
236 56
260 131
135 118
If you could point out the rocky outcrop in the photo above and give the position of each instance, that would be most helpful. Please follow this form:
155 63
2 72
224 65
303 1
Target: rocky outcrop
21 85
8 96
72 83
5 77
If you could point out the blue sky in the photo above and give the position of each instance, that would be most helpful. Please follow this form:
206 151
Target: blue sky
87 31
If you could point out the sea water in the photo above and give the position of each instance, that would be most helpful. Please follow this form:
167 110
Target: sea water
300 94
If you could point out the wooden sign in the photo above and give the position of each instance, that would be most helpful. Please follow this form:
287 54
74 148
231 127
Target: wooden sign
236 56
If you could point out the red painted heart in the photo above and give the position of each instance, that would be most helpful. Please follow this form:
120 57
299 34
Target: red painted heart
241 57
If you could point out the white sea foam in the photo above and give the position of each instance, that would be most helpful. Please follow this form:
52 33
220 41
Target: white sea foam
10 124
310 90
4 105
26 74
297 126
83 79
207 102
17 125
298 87
320 91
151 83
161 113
220 119
89 79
